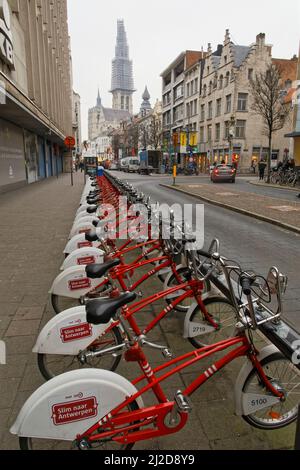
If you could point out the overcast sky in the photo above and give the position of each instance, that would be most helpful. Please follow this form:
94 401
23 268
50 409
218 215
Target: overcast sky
158 30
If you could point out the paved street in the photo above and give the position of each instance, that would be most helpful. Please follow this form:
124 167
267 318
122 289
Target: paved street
31 250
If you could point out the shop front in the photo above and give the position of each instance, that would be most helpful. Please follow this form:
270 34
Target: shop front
12 158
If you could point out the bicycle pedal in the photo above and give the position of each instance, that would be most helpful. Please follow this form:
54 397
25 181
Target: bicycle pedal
167 354
183 402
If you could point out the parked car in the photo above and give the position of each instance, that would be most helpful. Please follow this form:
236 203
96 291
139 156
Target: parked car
132 165
222 173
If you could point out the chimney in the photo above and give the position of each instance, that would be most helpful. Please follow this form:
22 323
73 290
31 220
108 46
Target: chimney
261 39
219 50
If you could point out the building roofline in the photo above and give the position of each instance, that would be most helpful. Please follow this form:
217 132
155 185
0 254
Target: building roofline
172 65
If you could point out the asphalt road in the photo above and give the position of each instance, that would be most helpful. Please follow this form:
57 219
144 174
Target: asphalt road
257 245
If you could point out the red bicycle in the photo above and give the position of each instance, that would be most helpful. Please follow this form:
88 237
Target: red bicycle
99 409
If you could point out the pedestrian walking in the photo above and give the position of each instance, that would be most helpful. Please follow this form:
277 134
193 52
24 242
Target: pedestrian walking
262 168
81 166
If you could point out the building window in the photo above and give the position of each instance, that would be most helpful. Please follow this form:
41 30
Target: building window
219 107
242 102
221 82
122 102
196 85
225 59
202 115
209 128
201 134
226 129
208 70
209 110
228 104
204 91
178 92
192 87
210 87
218 132
127 103
188 110
250 74
240 130
227 79
188 90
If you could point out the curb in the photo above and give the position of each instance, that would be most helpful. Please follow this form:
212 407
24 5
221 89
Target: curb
254 215
277 186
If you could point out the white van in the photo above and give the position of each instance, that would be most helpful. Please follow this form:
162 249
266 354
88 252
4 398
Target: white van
132 165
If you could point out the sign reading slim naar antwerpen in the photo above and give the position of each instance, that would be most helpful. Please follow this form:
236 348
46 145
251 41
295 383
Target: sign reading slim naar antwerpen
6 42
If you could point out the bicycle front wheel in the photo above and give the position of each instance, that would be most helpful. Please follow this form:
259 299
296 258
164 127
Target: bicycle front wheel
172 282
51 365
222 312
285 377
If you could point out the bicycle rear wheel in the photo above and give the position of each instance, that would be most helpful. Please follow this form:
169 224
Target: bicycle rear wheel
28 443
51 365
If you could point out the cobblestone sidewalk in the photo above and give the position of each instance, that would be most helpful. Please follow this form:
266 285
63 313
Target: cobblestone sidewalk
34 224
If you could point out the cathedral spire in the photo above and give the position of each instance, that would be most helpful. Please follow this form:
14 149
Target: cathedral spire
98 105
122 85
146 105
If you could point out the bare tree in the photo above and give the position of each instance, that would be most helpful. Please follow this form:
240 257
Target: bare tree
155 132
144 135
133 138
268 102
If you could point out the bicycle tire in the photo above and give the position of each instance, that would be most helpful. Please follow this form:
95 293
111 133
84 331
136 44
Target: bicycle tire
190 300
48 374
270 424
226 313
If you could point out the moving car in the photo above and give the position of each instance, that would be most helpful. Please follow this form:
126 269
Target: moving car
222 173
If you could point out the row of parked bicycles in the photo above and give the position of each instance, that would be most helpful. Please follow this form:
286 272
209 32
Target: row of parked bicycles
285 177
84 404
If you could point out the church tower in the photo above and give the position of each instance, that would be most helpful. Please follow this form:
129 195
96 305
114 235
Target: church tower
122 86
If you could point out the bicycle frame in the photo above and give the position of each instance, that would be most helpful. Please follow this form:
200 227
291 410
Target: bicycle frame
124 427
191 289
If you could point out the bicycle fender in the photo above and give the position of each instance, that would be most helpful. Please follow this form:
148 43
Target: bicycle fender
68 333
74 283
77 242
241 407
83 225
83 257
189 326
82 208
71 403
81 215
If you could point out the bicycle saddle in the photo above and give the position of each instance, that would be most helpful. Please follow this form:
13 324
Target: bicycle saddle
92 209
101 311
94 271
91 236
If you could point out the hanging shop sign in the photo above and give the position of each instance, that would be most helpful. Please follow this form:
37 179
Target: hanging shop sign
6 41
